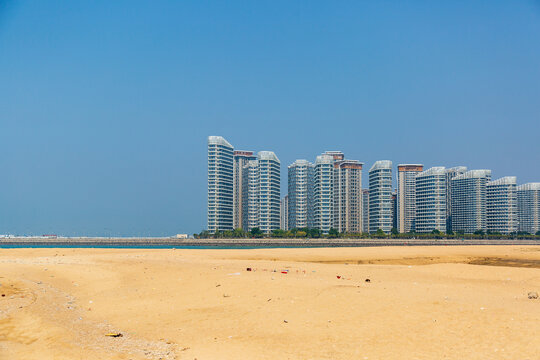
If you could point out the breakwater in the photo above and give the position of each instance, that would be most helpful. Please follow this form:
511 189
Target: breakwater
232 243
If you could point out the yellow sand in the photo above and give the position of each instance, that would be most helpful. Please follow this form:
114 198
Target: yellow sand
421 303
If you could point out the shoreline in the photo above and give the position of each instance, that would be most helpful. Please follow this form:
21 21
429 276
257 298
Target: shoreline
164 242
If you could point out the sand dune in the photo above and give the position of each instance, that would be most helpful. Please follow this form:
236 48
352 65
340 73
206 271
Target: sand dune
420 303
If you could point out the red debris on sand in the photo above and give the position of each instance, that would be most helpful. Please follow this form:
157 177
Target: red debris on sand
284 272
339 277
248 269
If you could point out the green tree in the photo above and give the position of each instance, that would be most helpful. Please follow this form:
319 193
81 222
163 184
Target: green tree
278 233
314 233
333 233
239 233
256 232
379 233
394 231
479 232
301 234
538 233
436 232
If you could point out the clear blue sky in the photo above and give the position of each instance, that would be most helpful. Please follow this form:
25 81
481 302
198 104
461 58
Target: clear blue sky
105 106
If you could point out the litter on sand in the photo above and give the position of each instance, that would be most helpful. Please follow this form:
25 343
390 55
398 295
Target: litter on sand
248 269
234 274
114 335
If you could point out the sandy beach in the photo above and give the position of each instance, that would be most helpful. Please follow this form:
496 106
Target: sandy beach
444 302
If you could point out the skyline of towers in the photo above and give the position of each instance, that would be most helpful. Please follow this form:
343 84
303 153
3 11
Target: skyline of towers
406 196
380 196
244 192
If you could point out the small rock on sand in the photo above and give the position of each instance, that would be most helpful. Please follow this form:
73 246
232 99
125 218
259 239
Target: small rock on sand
532 295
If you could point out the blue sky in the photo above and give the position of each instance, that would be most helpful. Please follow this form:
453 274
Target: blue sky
105 106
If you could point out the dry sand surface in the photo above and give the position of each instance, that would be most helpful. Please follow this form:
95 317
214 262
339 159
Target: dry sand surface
420 303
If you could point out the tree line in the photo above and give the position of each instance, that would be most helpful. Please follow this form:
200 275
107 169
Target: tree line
312 233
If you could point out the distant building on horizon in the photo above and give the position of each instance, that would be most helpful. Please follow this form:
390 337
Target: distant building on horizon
323 193
431 200
300 194
529 207
220 184
241 159
380 196
394 210
269 198
450 174
406 196
365 211
502 207
348 196
243 190
284 213
469 201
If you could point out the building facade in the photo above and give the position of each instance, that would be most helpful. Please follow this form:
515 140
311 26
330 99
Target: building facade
240 161
529 207
406 196
431 200
284 213
323 193
450 174
365 211
469 201
269 191
380 196
394 210
348 196
220 184
502 207
251 213
300 189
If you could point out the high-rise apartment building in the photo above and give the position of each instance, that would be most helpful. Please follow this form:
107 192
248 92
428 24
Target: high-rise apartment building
469 201
251 181
529 207
240 161
220 184
300 187
394 210
406 196
284 213
365 211
431 200
269 190
243 190
451 173
502 212
323 192
348 196
380 196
